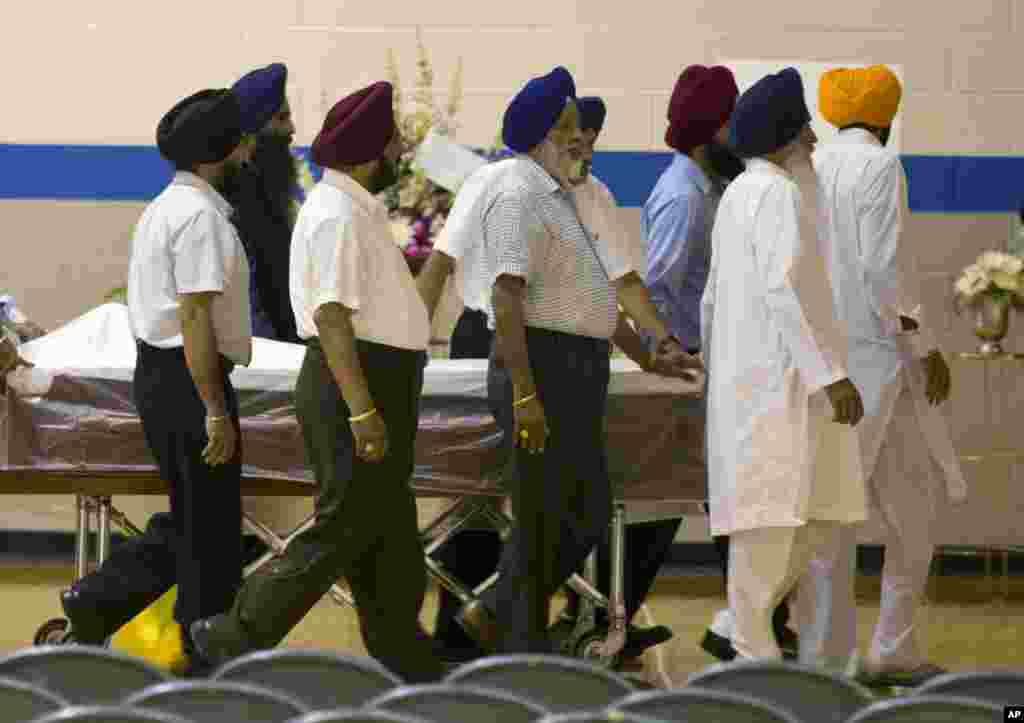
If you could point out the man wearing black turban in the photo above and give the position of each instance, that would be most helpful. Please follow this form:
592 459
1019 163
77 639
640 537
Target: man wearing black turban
188 301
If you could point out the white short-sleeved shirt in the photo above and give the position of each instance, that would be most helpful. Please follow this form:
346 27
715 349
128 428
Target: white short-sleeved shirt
343 252
600 214
532 229
185 244
461 239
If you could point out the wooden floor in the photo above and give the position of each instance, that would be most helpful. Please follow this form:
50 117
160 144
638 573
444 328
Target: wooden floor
964 627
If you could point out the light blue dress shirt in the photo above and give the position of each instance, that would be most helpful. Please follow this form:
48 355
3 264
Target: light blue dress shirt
676 223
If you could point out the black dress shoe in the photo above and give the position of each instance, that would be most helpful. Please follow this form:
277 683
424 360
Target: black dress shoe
214 642
87 627
718 646
640 639
721 647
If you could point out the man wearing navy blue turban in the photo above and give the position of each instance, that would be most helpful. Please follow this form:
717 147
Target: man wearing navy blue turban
262 194
782 477
554 310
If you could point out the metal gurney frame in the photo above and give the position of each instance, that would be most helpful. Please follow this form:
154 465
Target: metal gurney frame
97 515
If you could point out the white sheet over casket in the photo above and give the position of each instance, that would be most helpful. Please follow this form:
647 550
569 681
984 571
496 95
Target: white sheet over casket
74 410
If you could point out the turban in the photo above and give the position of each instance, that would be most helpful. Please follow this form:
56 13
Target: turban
536 108
261 95
701 104
357 129
870 96
592 113
203 128
770 115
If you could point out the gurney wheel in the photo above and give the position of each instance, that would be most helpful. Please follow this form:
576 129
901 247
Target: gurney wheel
53 632
589 648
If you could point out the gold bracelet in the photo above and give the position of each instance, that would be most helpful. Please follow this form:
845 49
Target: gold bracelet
363 416
216 419
524 400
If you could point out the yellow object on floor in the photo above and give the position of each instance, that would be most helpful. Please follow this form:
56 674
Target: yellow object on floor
154 635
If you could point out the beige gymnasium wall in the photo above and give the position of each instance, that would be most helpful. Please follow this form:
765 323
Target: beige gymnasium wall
103 72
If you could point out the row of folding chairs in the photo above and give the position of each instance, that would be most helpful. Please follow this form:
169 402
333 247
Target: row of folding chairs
285 684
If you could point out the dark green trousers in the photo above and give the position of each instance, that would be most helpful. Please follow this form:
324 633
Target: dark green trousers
366 527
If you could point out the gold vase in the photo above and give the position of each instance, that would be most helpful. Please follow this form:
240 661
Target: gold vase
991 322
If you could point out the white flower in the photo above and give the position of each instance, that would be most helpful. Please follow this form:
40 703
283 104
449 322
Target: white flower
999 261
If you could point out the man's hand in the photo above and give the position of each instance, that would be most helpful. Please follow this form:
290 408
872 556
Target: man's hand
371 435
223 440
670 359
939 380
9 358
531 426
29 330
846 401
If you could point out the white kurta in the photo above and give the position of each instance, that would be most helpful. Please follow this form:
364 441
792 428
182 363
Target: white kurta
770 336
872 275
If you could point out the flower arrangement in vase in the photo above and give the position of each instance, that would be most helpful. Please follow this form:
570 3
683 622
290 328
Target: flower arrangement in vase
989 288
418 207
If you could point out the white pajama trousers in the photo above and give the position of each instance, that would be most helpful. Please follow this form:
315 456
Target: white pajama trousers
764 565
907 493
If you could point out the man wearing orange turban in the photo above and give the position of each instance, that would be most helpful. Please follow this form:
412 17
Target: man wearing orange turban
906 452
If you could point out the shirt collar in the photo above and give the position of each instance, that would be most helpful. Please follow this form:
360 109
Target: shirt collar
539 175
858 135
186 178
762 165
350 187
693 171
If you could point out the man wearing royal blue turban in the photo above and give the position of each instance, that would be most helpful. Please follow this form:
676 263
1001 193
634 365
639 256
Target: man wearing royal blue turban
554 308
782 477
262 194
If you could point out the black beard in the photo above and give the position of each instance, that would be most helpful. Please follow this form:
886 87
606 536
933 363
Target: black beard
384 177
272 159
725 164
265 184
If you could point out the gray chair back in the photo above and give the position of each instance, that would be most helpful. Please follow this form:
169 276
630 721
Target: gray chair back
20 700
354 715
82 675
810 694
694 704
109 714
560 685
603 717
1006 688
321 680
458 704
930 709
219 702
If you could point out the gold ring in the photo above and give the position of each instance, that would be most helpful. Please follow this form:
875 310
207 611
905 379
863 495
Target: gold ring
369 447
524 434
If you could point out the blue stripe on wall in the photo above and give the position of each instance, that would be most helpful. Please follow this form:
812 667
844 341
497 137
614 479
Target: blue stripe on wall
938 184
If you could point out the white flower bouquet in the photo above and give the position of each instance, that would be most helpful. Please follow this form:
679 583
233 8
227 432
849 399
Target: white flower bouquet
996 276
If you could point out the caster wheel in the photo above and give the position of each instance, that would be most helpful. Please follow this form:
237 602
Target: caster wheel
53 632
590 649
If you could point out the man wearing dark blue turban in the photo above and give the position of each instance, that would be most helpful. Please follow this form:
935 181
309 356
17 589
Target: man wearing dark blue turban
782 477
554 310
262 194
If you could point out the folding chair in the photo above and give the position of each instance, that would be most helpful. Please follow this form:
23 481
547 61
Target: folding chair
458 704
109 714
322 680
561 685
694 704
1005 688
217 702
82 675
930 709
809 693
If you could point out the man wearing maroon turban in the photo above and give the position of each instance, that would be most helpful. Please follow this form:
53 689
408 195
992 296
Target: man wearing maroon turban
677 221
357 399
